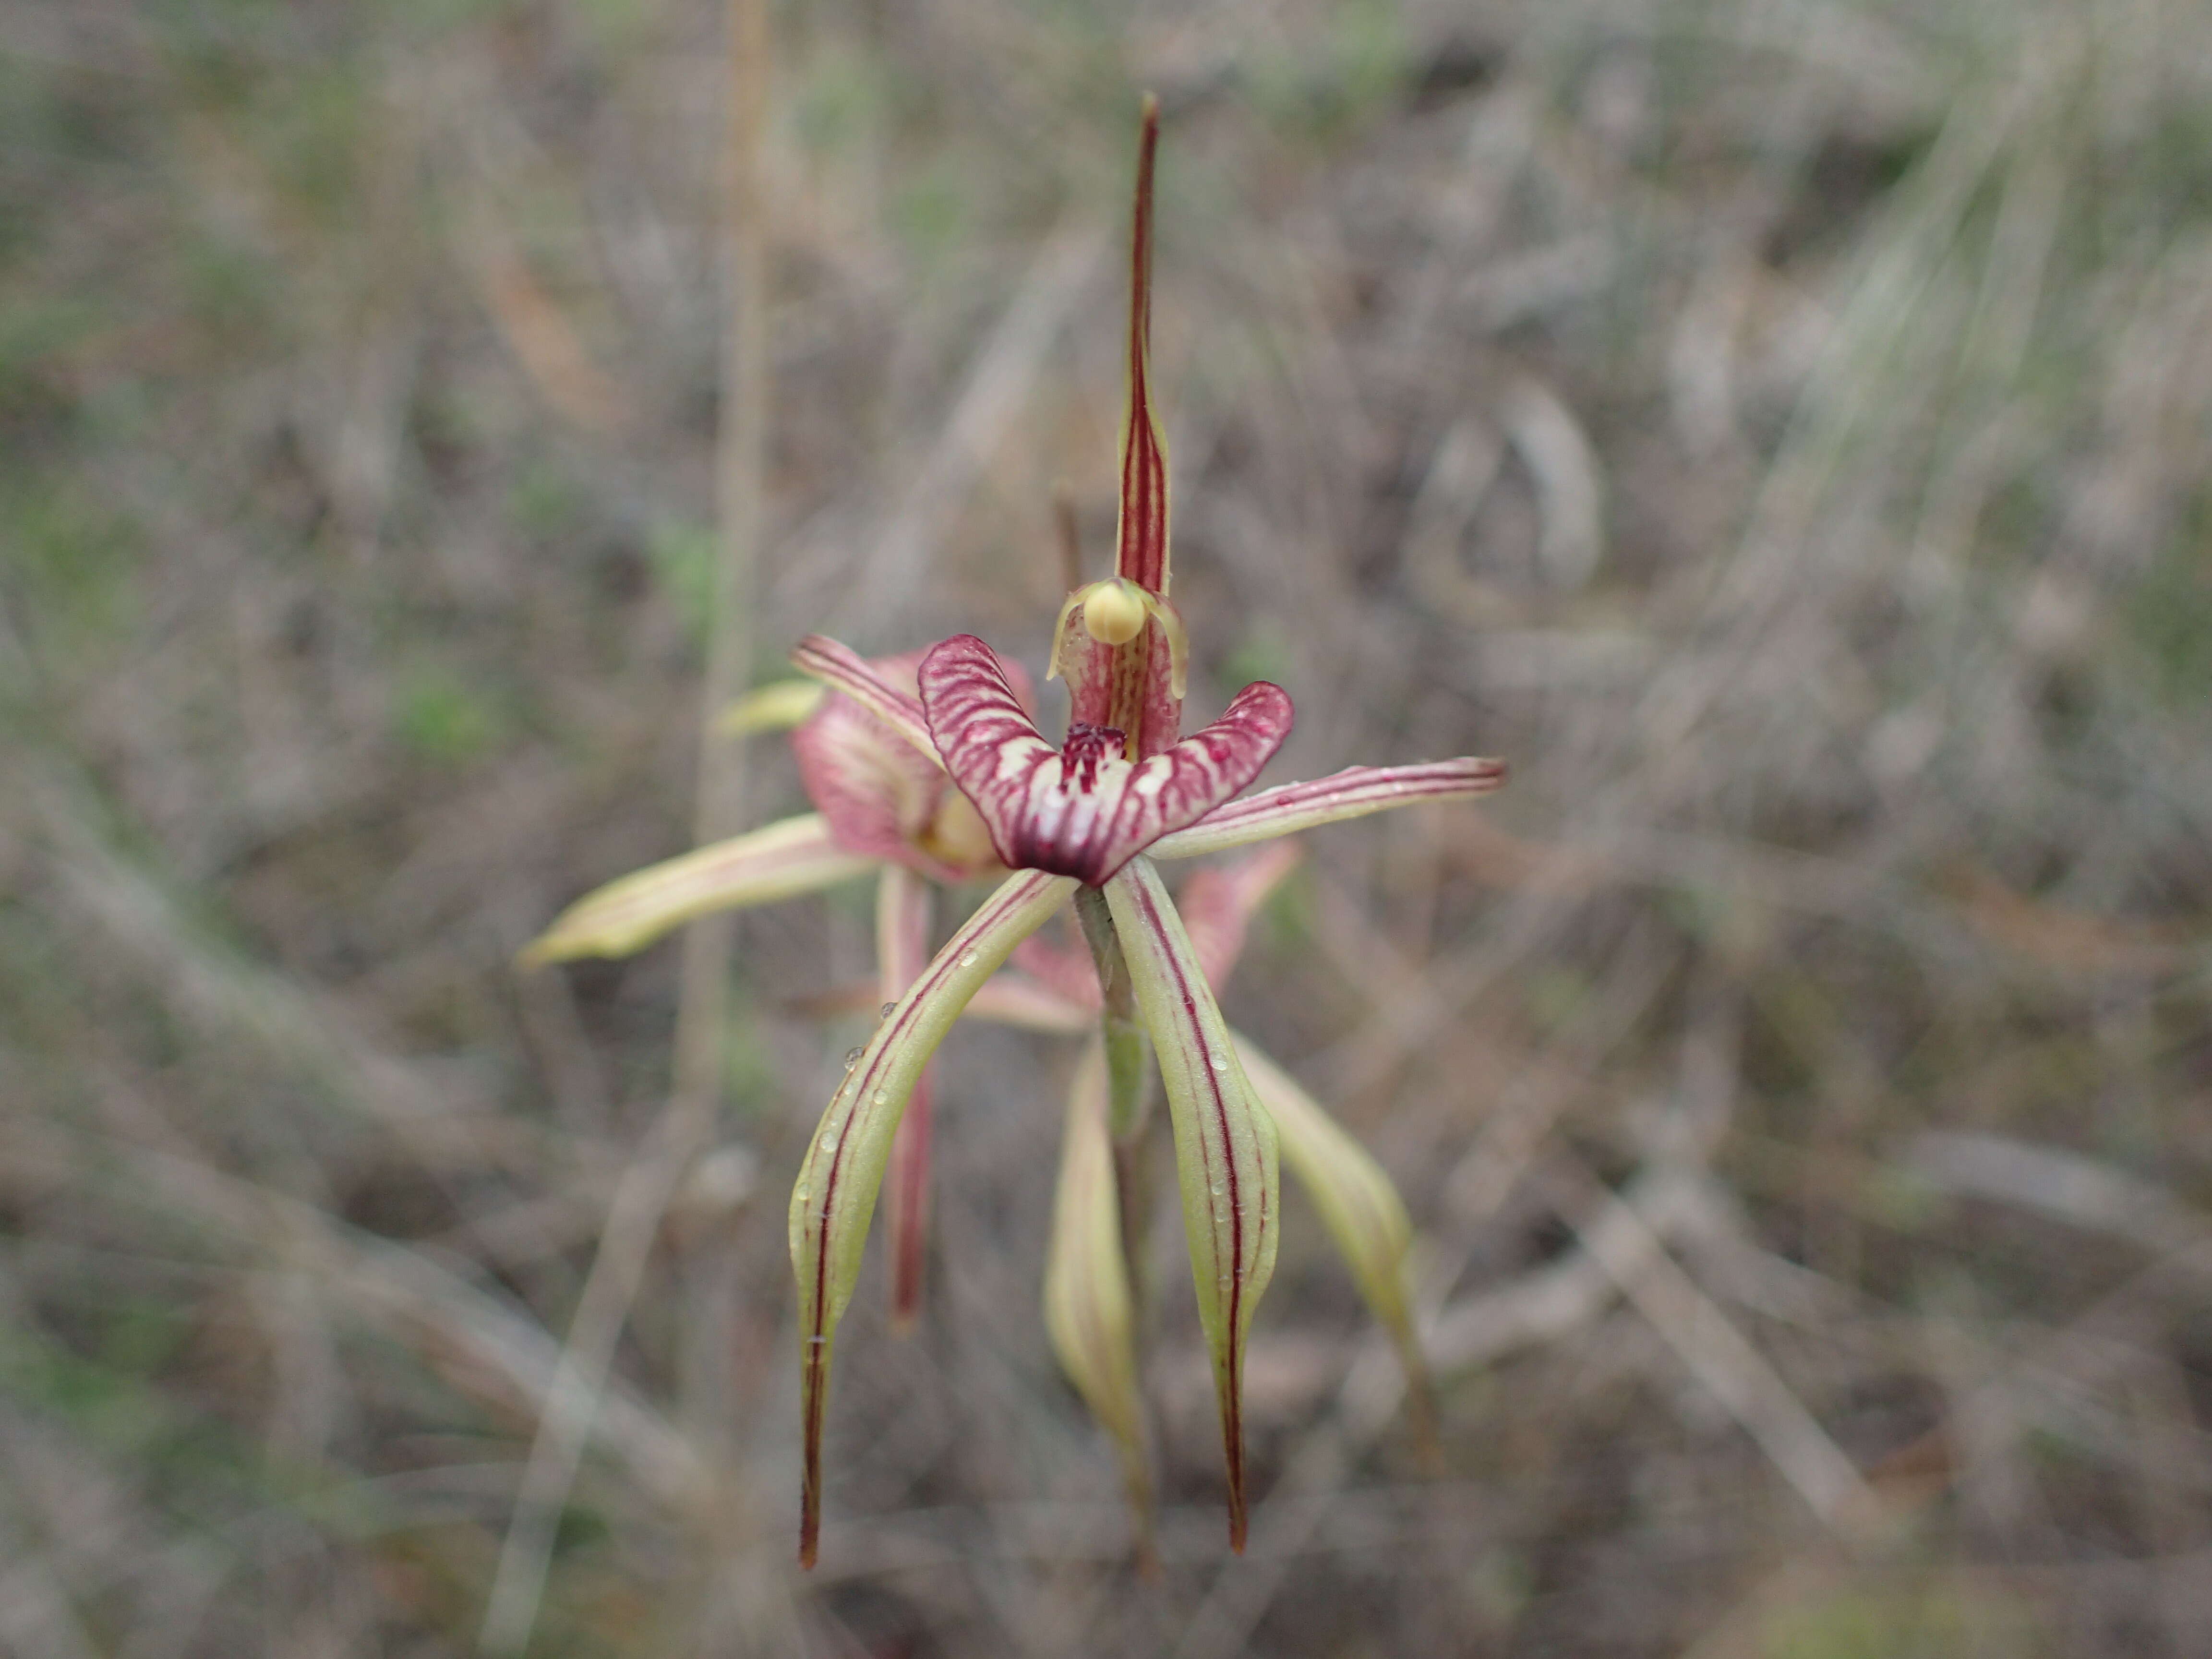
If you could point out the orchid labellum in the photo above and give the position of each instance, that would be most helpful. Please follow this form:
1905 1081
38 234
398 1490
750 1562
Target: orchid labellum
933 769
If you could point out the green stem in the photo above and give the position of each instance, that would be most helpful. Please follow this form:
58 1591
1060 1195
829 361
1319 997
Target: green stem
1126 1054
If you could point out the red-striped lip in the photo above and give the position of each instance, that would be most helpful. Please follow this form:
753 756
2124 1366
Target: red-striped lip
1085 809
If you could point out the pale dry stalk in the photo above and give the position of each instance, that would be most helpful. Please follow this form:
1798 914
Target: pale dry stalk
687 1124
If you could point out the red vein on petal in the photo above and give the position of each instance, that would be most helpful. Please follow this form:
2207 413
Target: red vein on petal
1353 792
844 668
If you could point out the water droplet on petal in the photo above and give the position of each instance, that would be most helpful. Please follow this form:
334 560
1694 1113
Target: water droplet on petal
1218 1061
884 1013
853 1058
967 958
881 1098
829 1143
804 1192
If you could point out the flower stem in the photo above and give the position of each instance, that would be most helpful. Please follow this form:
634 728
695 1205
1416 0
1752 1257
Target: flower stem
1125 1054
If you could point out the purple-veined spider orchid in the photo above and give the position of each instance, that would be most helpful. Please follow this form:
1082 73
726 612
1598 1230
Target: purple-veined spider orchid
930 770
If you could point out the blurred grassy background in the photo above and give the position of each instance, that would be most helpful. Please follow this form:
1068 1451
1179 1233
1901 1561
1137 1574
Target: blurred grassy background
1778 427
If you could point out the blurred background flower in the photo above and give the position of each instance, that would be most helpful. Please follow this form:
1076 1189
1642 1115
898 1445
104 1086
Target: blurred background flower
1780 428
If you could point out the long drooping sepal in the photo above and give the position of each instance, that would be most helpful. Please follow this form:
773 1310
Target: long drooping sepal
843 669
1088 1307
1357 1203
1351 794
797 855
1083 811
902 952
846 1156
1141 544
1225 1152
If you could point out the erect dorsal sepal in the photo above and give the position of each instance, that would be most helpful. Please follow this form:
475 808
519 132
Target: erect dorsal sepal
1140 551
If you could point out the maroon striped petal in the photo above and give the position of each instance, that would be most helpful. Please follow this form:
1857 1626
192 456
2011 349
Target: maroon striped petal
882 795
843 669
1082 810
1351 794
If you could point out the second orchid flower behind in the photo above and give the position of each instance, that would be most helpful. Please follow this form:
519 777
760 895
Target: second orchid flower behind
952 778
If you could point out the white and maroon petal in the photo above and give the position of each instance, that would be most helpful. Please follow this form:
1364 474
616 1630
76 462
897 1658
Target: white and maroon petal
1351 794
1083 811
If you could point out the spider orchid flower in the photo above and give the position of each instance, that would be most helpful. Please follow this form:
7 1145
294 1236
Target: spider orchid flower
1086 820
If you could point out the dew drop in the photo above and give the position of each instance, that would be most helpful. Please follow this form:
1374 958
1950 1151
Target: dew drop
884 1013
881 1098
853 1058
804 1192
829 1143
1215 1189
1219 1062
967 958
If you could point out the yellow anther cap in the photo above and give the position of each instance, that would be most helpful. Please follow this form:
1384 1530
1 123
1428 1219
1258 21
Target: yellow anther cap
1113 612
